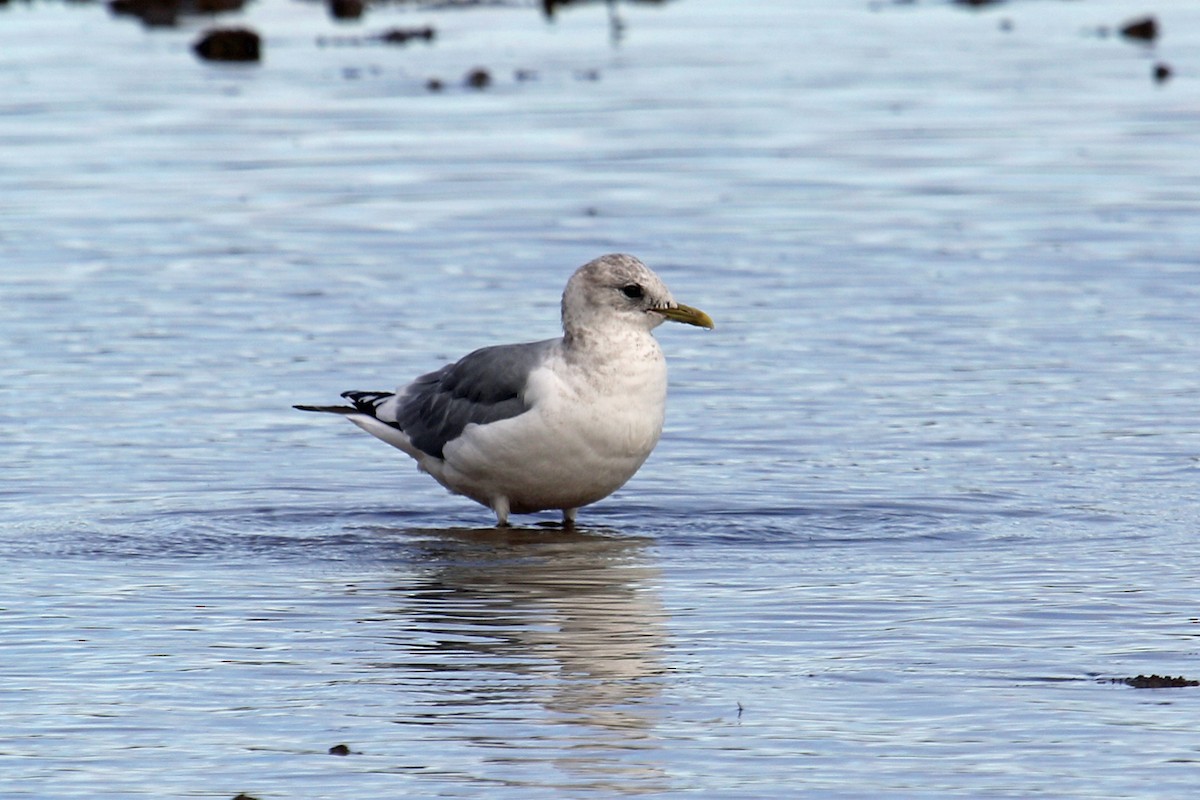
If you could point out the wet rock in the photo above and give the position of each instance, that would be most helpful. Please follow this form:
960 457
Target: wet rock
346 9
1144 29
229 44
245 797
1162 72
339 750
550 6
406 35
1157 682
216 6
153 13
166 13
478 78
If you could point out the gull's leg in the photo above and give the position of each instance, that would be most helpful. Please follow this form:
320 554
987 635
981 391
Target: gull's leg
569 517
500 506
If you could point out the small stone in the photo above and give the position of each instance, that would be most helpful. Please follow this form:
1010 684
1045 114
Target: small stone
1143 28
346 9
1157 682
339 750
217 6
478 78
229 44
152 13
434 85
1162 72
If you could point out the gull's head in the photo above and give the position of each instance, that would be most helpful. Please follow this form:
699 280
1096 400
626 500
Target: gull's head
620 289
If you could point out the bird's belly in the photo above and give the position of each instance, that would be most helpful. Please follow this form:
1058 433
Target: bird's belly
548 458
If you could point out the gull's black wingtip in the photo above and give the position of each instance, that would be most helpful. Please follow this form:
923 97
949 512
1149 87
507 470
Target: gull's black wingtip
328 409
364 403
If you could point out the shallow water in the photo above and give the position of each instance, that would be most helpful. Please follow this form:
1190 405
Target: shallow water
929 486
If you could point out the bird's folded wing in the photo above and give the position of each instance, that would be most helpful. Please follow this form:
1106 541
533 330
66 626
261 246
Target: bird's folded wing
486 386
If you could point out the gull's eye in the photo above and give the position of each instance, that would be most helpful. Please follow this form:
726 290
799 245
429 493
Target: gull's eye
633 291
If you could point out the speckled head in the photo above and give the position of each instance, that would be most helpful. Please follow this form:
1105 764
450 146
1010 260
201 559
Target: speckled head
619 290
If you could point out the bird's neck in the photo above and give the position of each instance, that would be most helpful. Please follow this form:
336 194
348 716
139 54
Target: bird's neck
617 348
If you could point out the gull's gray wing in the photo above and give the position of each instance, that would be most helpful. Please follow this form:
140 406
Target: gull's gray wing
486 386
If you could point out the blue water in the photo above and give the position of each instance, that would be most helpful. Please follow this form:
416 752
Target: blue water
928 488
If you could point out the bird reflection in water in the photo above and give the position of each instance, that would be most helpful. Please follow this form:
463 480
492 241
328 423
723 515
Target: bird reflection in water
554 639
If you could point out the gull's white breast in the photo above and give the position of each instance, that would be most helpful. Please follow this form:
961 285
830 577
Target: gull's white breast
594 419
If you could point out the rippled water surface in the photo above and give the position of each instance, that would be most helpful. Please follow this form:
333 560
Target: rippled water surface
926 494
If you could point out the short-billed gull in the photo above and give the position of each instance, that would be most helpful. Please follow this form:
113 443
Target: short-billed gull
556 424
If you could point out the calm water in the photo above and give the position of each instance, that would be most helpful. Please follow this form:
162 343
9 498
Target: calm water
928 487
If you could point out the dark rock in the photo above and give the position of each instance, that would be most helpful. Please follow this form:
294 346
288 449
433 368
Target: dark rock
229 44
977 3
346 9
339 750
1157 682
153 13
478 78
1144 29
434 84
216 6
1162 72
166 13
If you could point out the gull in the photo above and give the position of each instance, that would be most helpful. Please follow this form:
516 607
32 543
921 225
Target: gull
555 424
